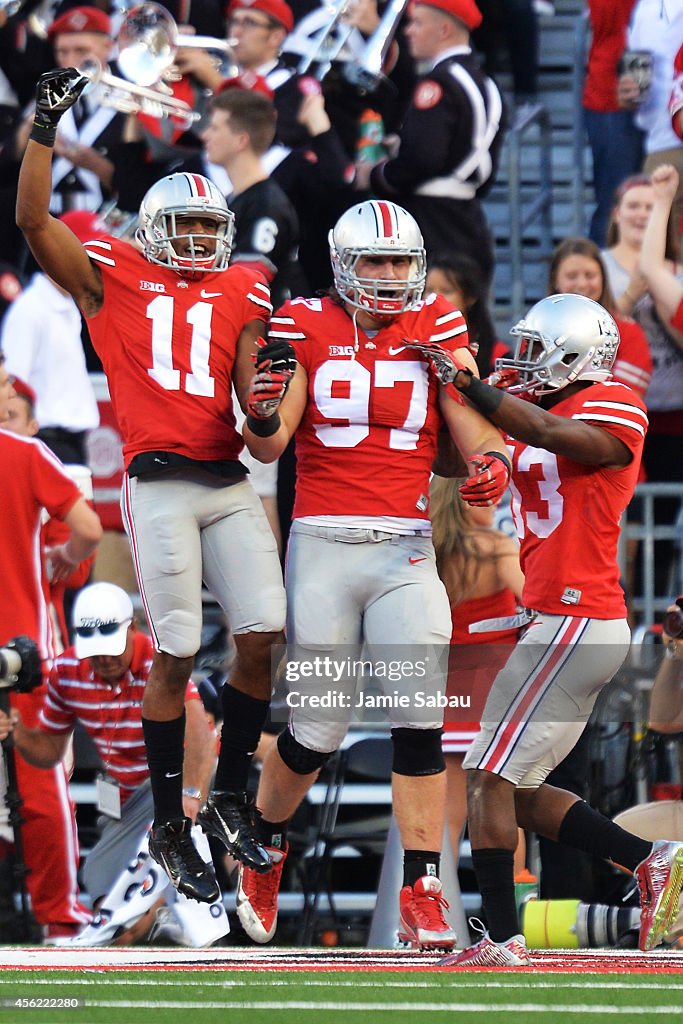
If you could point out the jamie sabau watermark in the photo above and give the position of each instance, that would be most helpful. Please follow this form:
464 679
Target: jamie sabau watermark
370 684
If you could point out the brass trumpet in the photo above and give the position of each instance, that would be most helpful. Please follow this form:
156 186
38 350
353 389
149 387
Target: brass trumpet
149 40
130 98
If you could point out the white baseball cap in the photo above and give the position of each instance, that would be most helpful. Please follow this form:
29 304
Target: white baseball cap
101 616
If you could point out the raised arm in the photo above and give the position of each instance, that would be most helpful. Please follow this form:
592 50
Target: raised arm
54 245
666 289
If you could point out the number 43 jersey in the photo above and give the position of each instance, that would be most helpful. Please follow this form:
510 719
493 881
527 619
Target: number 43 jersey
168 345
568 514
367 440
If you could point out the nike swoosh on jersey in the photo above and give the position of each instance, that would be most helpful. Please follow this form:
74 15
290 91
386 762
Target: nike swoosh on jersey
414 561
395 351
209 295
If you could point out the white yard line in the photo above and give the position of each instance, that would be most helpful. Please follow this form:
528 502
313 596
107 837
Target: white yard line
521 981
388 1007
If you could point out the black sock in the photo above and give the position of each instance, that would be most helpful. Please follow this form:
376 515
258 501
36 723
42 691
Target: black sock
418 863
586 829
496 882
165 744
243 718
272 833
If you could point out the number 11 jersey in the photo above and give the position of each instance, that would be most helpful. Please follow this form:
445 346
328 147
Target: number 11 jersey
168 346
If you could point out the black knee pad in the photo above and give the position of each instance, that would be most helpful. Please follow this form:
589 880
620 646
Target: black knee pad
298 758
417 752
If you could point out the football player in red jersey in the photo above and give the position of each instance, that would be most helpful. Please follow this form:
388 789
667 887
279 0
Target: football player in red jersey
175 329
576 449
360 563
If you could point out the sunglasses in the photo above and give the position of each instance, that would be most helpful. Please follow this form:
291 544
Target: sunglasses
104 629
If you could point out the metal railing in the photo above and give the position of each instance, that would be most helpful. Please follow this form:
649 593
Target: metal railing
578 181
639 524
525 212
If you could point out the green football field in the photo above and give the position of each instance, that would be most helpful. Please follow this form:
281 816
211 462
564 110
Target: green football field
321 987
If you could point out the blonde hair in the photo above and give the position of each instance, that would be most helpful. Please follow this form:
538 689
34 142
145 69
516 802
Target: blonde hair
458 557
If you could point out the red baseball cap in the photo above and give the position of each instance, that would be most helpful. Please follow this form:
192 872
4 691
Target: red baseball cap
80 19
84 224
465 11
23 389
278 10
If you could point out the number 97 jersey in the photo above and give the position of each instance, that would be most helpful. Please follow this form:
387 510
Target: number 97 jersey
367 439
168 347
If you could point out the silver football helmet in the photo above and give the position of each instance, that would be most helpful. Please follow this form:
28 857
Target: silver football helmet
562 339
169 200
377 228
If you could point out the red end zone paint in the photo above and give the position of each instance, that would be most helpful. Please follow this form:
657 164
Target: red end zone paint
556 961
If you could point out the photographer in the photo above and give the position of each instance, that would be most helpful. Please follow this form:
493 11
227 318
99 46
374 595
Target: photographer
100 683
34 479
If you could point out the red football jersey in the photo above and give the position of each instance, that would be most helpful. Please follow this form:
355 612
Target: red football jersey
367 440
568 514
33 478
168 347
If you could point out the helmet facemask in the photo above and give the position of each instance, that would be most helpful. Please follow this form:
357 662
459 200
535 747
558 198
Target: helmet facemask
377 228
564 338
163 243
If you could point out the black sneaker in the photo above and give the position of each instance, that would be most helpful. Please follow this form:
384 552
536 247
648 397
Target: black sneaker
171 846
230 817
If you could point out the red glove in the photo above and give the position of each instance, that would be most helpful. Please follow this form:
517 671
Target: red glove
488 485
275 367
266 391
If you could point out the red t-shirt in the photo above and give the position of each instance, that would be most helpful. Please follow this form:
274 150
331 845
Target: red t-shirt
111 714
367 440
33 478
568 514
168 346
633 363
609 24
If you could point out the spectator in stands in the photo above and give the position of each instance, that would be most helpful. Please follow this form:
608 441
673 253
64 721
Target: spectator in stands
457 277
450 138
616 142
41 339
33 479
656 27
99 683
517 22
577 268
645 287
479 567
